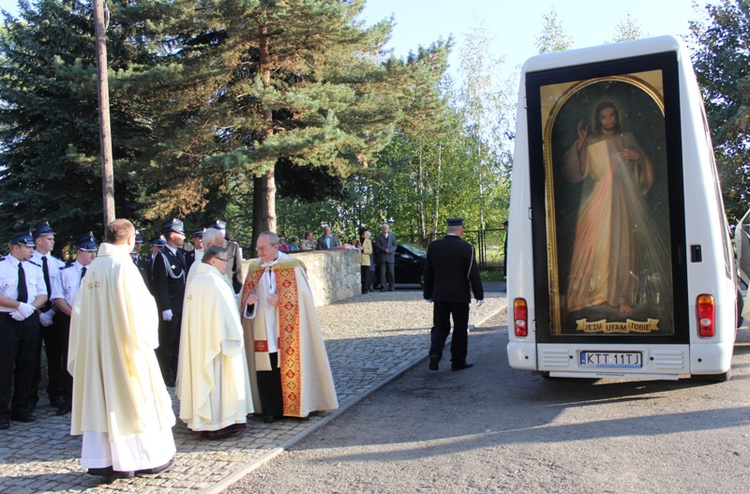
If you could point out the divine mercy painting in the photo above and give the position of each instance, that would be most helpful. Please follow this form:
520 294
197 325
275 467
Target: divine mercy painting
607 206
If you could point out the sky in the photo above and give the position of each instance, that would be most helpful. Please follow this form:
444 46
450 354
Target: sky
515 24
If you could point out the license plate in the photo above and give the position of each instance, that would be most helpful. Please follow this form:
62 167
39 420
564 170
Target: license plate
612 360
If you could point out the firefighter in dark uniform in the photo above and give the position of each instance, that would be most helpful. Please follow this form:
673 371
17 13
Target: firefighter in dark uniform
142 263
49 332
169 273
22 294
196 254
64 290
451 274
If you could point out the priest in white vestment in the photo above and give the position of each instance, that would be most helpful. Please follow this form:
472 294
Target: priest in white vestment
213 383
120 403
289 370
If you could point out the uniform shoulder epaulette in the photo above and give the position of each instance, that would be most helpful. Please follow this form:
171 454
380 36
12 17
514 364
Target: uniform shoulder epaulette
35 264
68 264
2 258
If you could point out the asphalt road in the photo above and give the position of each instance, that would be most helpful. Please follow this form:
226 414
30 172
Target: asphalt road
495 429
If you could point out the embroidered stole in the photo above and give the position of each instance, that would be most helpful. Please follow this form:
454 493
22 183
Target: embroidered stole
288 331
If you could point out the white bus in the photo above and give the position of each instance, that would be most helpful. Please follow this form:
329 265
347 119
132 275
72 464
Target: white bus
620 262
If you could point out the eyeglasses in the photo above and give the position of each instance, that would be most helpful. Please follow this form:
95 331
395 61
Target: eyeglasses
222 259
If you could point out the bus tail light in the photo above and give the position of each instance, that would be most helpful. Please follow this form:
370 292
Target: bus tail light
520 317
706 316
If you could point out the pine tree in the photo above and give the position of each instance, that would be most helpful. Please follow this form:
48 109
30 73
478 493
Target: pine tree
49 122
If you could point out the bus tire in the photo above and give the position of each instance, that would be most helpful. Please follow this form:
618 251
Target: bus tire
715 378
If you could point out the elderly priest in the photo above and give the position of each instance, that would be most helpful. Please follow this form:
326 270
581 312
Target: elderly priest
213 383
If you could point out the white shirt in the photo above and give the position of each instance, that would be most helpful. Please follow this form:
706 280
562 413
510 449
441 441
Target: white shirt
54 265
9 280
271 313
68 282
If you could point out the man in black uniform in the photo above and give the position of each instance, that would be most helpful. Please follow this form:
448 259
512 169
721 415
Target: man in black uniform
450 275
142 263
22 294
169 276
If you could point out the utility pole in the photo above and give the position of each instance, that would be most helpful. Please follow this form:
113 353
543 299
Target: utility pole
105 133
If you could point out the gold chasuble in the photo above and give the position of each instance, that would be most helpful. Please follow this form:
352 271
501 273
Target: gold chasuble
306 380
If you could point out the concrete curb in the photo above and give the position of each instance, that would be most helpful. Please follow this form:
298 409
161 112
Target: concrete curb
253 465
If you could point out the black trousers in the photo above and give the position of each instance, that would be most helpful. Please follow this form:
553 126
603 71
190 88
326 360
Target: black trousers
62 321
269 388
441 328
387 268
169 347
19 340
52 338
366 278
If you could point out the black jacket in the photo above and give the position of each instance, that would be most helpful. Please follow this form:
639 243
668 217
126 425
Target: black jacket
451 273
169 273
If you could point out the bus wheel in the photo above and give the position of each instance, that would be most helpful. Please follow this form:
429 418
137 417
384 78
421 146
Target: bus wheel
715 378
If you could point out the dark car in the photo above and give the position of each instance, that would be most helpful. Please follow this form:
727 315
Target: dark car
409 262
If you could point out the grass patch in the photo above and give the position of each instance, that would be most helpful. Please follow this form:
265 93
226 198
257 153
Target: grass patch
490 275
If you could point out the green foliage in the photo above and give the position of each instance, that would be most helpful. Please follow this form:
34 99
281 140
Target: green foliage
721 62
553 37
213 101
628 30
49 123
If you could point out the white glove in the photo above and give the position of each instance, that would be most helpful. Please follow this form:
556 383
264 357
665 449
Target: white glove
479 303
167 315
45 318
25 310
17 315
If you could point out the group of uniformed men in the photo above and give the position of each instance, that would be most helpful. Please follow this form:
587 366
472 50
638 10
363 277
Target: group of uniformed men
37 291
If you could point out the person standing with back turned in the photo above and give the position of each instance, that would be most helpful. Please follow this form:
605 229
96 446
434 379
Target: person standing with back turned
120 403
451 274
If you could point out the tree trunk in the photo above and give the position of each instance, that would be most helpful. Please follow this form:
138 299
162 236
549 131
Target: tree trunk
105 132
264 187
436 213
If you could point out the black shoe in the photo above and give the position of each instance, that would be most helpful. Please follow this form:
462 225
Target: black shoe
269 419
434 359
22 417
63 409
153 471
110 474
227 431
462 366
57 402
4 424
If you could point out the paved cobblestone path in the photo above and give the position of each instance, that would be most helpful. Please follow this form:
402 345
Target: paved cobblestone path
370 340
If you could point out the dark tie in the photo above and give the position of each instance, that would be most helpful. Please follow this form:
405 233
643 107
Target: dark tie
45 269
83 272
23 293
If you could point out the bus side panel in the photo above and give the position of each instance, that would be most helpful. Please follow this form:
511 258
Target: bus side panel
520 270
706 233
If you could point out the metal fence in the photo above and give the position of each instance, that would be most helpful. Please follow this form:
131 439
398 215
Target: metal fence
489 243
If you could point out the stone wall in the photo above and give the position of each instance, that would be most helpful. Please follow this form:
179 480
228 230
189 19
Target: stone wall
333 274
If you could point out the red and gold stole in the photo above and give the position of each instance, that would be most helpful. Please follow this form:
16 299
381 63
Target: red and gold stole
288 331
